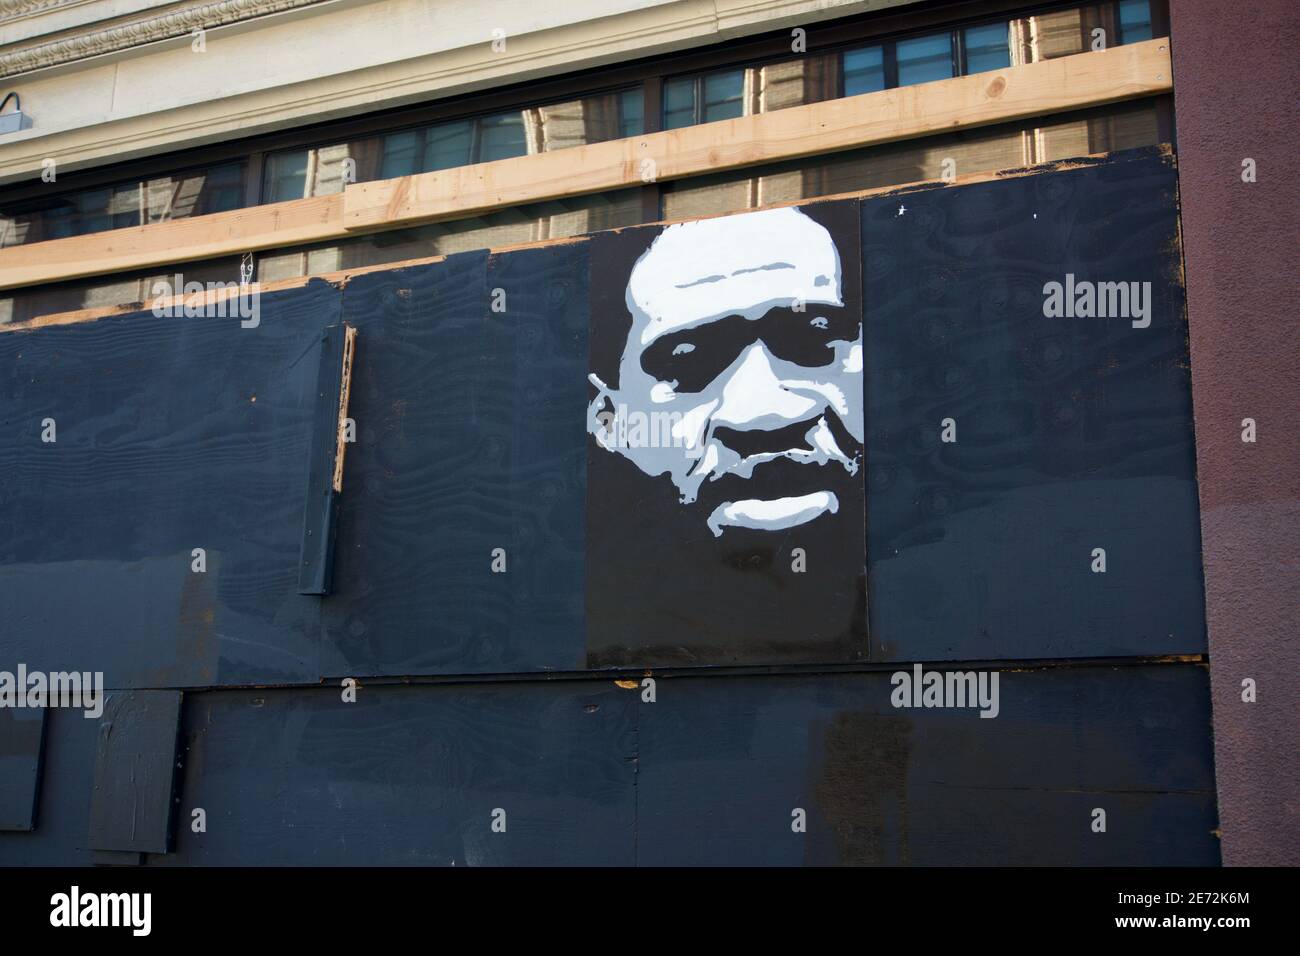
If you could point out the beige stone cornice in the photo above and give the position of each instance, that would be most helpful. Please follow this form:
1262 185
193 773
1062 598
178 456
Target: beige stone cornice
123 36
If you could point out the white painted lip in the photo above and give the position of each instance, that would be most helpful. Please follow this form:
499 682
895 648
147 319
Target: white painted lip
772 515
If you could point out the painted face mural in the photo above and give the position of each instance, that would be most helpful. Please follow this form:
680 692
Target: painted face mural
741 357
725 515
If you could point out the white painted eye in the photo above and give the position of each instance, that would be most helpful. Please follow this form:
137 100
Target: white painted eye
819 323
684 348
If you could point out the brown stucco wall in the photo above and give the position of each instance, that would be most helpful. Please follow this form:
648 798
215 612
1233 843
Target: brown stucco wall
1235 95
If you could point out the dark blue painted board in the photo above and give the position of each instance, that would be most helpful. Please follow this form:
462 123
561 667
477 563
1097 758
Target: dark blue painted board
724 761
1072 433
132 790
411 775
470 438
63 803
22 733
329 437
172 434
709 773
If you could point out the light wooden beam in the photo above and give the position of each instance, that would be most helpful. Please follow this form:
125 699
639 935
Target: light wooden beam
168 243
342 277
1036 89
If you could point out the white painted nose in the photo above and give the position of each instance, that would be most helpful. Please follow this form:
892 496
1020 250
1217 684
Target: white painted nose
754 396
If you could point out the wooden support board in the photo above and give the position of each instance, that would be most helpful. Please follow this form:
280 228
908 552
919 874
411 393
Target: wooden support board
1035 89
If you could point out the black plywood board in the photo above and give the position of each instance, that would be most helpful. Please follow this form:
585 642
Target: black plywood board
672 579
725 762
171 434
22 734
412 775
131 804
468 392
472 450
1072 433
709 773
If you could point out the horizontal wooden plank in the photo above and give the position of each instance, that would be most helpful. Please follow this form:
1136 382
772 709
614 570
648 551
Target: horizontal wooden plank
1088 79
1036 89
342 277
181 240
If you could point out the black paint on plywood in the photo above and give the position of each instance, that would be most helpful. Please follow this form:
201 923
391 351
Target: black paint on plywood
725 762
1072 434
22 734
320 509
415 775
461 531
171 434
710 773
131 805
725 501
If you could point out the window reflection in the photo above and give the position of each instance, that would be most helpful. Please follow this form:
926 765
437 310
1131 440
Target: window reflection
924 59
482 139
987 48
864 71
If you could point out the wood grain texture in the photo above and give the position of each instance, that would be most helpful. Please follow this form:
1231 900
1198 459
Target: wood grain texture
180 240
1073 82
172 434
470 426
1072 433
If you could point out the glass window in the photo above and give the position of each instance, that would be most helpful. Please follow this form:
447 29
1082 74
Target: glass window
703 99
924 59
864 70
679 102
724 96
177 196
501 137
1134 21
987 48
220 188
401 154
286 176
448 145
631 113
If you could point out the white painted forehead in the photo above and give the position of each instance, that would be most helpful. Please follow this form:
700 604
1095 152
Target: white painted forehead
695 272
